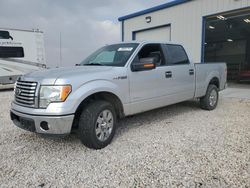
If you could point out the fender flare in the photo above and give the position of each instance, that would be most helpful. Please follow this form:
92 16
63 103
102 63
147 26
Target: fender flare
211 76
93 87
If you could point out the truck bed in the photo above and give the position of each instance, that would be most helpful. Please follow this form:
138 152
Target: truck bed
205 72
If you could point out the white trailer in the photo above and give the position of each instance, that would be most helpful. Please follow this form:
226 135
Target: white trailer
21 52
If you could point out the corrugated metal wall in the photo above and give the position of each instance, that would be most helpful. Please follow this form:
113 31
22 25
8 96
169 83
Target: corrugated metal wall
185 20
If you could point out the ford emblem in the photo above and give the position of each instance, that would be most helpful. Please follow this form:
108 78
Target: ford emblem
18 91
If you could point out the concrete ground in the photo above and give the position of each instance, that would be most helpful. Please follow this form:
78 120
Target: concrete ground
177 146
238 91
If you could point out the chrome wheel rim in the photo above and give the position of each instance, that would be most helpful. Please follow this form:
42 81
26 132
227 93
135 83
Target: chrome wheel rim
213 98
104 125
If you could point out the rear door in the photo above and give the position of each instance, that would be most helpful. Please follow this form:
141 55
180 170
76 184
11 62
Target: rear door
180 73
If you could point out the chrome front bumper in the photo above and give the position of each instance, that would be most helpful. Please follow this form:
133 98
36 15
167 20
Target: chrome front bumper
54 125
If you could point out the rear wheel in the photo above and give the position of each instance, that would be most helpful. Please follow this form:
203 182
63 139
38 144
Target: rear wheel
210 100
97 124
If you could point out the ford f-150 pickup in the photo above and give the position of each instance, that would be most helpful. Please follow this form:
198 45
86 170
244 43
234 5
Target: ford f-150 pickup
116 81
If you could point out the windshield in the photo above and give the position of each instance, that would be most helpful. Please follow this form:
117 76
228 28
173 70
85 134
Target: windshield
112 55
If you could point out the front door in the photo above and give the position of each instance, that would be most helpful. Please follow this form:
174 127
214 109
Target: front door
148 87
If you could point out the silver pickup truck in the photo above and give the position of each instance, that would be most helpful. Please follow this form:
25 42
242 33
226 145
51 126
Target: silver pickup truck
115 81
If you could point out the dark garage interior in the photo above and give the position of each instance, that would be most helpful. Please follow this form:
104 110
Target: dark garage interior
227 39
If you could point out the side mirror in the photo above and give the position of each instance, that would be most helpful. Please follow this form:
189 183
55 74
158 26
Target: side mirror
144 64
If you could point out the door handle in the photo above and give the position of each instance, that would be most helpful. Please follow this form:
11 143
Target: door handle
168 74
191 71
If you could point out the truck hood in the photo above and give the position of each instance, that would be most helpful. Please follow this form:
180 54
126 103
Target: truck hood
50 76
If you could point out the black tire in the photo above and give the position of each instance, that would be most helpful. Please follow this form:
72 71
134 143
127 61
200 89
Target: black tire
88 123
205 102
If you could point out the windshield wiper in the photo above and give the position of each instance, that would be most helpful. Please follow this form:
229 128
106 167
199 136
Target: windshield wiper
99 64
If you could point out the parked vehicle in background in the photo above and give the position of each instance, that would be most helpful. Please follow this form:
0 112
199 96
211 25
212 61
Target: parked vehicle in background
115 81
21 52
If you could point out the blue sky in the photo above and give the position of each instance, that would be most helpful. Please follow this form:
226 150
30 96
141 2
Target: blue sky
85 25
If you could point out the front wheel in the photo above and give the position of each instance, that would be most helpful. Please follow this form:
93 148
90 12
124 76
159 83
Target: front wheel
97 124
210 100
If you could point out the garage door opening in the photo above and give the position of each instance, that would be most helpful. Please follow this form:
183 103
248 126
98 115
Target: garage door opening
227 39
160 33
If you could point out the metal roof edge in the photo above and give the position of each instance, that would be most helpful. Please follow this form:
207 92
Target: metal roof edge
153 9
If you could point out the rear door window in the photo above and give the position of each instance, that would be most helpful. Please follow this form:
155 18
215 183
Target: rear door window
176 54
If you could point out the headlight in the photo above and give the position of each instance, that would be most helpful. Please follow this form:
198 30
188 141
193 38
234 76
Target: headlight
49 94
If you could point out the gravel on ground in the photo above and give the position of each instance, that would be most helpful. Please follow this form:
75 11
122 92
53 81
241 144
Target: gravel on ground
177 146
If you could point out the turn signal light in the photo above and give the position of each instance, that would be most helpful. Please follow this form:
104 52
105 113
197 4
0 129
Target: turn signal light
149 65
65 92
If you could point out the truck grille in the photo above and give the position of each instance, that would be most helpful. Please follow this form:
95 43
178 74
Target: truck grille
25 93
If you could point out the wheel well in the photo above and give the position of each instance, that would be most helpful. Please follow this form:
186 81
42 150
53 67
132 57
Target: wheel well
107 96
215 81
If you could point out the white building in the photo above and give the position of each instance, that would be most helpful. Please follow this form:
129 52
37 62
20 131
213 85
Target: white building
210 30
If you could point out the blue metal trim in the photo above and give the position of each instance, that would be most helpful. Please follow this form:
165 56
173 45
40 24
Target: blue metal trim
122 31
203 39
133 35
146 29
153 9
